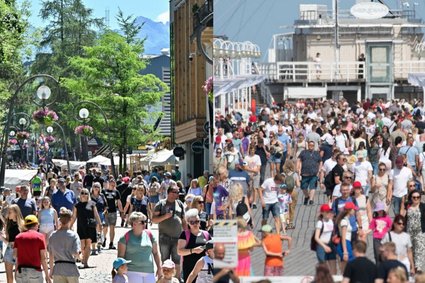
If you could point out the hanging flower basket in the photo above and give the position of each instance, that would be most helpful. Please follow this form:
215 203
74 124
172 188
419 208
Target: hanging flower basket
50 139
84 130
208 88
45 116
22 135
13 141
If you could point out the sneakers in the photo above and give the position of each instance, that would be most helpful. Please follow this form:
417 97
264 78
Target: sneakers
93 252
306 201
104 243
254 206
112 247
311 202
290 226
122 222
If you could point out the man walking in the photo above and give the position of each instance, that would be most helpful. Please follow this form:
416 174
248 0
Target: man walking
269 201
401 175
285 139
30 253
390 262
64 248
169 215
27 205
63 197
309 167
361 269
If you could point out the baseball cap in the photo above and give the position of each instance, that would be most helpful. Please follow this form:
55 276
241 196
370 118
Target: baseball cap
266 228
120 261
31 219
325 208
168 264
283 186
350 205
126 179
379 206
61 180
167 174
357 184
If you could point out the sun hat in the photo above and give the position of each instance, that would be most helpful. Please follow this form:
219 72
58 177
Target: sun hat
119 262
379 207
169 264
266 228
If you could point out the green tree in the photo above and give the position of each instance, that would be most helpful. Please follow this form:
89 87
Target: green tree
109 76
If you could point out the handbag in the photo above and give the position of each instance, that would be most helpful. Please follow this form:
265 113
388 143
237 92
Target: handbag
91 222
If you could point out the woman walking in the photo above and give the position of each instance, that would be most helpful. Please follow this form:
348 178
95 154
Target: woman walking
48 219
87 217
416 228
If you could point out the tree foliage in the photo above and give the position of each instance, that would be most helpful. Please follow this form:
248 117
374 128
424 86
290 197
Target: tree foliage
109 76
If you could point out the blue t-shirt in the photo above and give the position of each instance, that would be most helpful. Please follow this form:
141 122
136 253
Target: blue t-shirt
411 152
284 139
27 206
338 207
66 199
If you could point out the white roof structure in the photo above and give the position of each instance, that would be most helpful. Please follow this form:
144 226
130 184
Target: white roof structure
18 177
162 157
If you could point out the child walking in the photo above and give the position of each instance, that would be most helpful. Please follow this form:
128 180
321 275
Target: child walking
272 245
119 272
285 201
380 225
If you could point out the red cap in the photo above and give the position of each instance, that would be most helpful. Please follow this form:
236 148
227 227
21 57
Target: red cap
350 205
325 208
357 184
126 179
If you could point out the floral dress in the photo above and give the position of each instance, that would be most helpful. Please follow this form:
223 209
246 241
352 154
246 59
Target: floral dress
418 238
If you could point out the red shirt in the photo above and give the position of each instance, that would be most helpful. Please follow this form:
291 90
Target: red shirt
29 244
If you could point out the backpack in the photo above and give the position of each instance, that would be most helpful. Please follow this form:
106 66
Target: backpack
187 235
313 243
242 210
127 236
290 182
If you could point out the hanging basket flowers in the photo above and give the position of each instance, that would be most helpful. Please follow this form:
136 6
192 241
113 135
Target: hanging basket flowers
22 135
13 141
84 130
208 88
50 139
45 116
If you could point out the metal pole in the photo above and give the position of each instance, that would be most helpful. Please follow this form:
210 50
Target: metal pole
108 130
65 146
336 40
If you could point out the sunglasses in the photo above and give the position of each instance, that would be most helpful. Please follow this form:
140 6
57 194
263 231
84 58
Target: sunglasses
347 177
382 169
400 223
412 186
142 222
194 222
201 202
416 197
84 194
174 192
218 152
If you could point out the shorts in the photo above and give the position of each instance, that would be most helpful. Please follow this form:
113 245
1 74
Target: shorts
273 208
111 218
274 159
273 270
322 256
29 275
8 254
168 248
102 218
36 193
309 182
255 181
141 277
349 250
284 217
154 199
65 279
47 228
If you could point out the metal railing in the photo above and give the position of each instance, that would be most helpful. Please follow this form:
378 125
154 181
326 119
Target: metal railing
333 72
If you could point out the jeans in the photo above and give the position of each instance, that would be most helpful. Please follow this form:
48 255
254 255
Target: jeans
208 208
29 275
322 256
375 168
396 203
263 172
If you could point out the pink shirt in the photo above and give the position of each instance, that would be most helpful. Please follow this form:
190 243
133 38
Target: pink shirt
380 226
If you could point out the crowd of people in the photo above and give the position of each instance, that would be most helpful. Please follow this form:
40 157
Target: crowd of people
56 223
368 160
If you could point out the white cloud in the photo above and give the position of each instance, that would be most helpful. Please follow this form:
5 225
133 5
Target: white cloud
163 17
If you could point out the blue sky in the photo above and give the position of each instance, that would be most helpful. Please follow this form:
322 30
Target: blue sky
157 10
258 20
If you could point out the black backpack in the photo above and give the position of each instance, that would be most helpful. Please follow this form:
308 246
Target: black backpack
242 209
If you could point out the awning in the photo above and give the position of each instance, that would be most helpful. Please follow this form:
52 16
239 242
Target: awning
18 177
417 79
99 160
162 157
231 85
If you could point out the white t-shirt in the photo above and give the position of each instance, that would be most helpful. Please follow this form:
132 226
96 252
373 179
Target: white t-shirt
421 159
346 222
271 128
328 227
400 178
361 170
270 191
340 142
329 165
253 161
402 243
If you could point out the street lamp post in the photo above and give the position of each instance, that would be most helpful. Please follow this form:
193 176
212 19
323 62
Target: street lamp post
43 93
83 115
50 131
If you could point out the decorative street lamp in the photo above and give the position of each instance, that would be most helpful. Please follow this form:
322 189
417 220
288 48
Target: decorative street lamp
83 116
49 130
44 115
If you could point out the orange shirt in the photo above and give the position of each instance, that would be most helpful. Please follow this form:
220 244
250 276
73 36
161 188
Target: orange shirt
273 244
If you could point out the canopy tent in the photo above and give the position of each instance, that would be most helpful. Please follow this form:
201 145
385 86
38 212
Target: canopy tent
303 92
417 79
18 177
232 85
99 160
162 157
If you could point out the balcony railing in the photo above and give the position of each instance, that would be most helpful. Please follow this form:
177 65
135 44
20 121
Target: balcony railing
332 72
